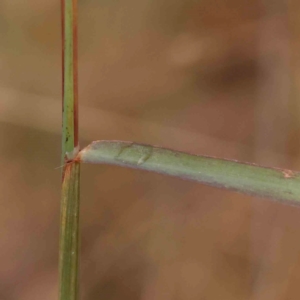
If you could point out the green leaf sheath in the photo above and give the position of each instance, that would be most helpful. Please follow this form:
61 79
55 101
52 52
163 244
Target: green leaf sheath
69 233
70 117
243 177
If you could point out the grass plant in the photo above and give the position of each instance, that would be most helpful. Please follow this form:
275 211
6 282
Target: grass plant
278 184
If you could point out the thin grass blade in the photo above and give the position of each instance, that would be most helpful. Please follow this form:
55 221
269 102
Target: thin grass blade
248 178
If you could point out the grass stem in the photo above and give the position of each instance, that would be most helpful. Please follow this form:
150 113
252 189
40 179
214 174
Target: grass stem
69 226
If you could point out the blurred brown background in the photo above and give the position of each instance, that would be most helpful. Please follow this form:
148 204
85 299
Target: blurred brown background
209 77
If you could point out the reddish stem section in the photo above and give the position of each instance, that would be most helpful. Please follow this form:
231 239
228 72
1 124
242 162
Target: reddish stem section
75 70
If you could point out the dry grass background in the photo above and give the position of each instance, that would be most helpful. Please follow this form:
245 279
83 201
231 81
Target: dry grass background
208 77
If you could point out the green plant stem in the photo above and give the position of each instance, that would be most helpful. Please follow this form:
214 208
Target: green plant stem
243 177
69 226
69 233
70 85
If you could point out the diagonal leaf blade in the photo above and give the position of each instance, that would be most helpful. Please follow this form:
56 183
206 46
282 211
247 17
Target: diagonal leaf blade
248 178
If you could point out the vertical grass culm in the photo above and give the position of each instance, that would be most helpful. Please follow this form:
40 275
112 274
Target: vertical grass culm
69 222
